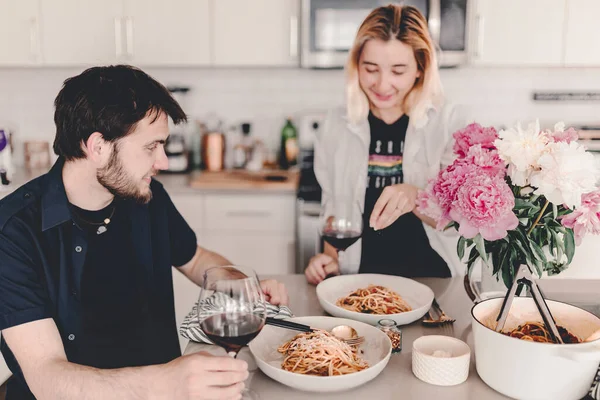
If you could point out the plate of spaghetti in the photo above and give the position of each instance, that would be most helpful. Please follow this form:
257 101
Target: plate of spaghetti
371 297
317 361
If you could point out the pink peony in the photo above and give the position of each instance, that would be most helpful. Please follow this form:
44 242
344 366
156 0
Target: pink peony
449 181
488 161
471 135
561 135
585 218
484 205
427 203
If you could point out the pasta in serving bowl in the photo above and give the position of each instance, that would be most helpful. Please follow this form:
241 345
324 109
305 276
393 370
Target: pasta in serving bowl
317 361
371 297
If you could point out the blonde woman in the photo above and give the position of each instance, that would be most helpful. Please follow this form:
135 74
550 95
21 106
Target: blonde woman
395 134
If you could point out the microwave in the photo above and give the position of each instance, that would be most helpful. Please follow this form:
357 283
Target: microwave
328 28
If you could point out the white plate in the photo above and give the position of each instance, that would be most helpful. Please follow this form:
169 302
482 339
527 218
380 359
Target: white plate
414 293
377 349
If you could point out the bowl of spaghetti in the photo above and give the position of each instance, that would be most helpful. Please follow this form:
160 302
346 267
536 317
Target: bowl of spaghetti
366 297
522 361
317 361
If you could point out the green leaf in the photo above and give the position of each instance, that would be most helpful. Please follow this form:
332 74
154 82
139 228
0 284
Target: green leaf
460 247
558 244
537 251
480 246
503 259
554 211
569 245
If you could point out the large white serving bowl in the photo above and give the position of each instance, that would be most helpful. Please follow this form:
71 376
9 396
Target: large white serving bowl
377 349
414 293
529 370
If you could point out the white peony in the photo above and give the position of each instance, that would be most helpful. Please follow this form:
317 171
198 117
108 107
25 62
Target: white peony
521 149
566 172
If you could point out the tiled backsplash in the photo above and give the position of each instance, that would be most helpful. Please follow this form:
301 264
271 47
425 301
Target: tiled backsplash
265 96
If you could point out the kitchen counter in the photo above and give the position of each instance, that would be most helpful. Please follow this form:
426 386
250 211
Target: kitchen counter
397 380
231 181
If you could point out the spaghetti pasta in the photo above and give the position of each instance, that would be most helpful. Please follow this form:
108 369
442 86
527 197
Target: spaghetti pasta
374 300
537 332
320 353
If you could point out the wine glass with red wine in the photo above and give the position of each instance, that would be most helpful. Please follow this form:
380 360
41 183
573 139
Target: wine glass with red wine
232 309
341 224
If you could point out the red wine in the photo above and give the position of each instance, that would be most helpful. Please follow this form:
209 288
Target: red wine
232 331
341 240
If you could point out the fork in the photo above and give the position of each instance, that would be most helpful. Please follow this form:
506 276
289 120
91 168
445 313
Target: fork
442 318
354 341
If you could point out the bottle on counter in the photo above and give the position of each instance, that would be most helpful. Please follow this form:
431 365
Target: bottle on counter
288 156
242 150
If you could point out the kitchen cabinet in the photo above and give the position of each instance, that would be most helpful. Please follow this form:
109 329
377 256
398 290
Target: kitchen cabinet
76 32
160 33
256 33
251 229
19 33
519 33
582 33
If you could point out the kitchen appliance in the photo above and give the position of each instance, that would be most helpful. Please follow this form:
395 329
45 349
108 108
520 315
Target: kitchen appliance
176 146
308 196
329 26
213 151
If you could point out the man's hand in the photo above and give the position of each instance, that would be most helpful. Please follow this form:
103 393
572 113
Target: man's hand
319 267
275 292
201 376
395 200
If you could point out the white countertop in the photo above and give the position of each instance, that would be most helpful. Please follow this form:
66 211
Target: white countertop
397 380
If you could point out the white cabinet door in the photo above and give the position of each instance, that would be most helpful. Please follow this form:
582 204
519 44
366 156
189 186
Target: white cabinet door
76 32
516 32
19 32
582 38
256 33
175 32
266 253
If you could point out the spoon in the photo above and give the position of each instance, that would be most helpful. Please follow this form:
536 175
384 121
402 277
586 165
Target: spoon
348 334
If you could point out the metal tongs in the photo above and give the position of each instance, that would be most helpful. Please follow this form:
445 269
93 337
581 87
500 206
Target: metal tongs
525 277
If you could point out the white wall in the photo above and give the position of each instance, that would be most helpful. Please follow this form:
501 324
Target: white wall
265 96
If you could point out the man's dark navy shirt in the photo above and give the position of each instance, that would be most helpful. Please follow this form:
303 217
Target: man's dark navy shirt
44 252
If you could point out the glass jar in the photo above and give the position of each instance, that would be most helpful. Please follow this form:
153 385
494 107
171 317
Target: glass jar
390 328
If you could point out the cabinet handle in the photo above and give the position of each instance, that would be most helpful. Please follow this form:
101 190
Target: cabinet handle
293 36
129 35
118 37
480 35
34 39
248 213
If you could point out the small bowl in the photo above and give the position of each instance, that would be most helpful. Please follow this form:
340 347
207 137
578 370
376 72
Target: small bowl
450 365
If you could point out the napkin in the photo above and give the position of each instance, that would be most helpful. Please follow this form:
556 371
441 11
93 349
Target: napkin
190 328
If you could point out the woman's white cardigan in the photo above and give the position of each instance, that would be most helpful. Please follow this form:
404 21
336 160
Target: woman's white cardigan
341 162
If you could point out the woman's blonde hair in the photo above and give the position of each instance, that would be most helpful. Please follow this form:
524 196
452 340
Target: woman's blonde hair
406 24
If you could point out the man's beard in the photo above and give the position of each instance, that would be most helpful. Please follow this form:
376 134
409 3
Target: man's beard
118 182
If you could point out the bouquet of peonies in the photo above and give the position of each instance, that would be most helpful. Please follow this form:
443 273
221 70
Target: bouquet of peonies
520 196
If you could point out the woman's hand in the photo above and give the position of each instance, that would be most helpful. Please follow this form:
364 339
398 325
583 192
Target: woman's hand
395 200
319 267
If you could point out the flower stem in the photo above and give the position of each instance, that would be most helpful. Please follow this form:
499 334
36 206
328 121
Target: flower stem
538 217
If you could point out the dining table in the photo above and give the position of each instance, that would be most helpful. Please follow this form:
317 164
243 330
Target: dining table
397 380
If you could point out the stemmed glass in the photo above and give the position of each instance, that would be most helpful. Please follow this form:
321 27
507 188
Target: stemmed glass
341 224
232 309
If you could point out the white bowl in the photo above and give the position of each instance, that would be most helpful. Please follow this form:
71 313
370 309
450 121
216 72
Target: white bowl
443 371
377 350
414 293
529 370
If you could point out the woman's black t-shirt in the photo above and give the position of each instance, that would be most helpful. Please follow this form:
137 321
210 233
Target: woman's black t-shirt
402 248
